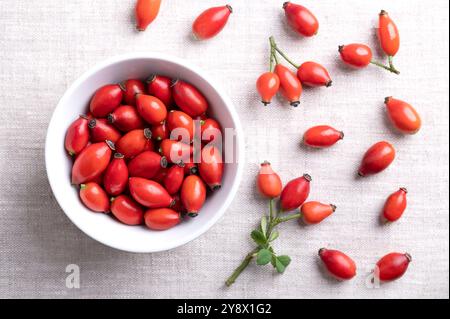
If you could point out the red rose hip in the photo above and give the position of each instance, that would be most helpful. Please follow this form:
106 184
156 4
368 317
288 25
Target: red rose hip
161 87
146 165
295 193
211 167
268 182
146 11
188 98
322 136
313 74
315 212
127 211
77 136
392 266
267 85
210 22
161 218
338 264
377 158
130 88
106 100
356 54
116 176
101 130
301 19
151 109
403 116
174 179
149 193
135 142
94 197
126 118
193 194
395 205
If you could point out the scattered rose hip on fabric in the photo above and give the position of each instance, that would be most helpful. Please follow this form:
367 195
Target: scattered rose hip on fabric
392 266
388 34
290 85
314 212
313 74
295 193
356 54
377 158
301 19
267 85
268 182
338 264
146 11
395 205
322 136
403 116
210 22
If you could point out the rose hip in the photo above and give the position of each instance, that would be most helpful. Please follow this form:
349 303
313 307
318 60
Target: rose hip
211 167
160 132
395 205
403 116
315 212
188 98
149 193
126 118
91 162
355 54
161 218
193 194
151 109
267 85
127 210
175 152
146 11
135 142
290 85
313 74
392 266
174 179
101 130
130 88
388 34
322 136
301 19
94 197
339 265
210 22
295 193
106 100
161 87
268 182
116 176
211 130
146 165
180 125
77 136
377 158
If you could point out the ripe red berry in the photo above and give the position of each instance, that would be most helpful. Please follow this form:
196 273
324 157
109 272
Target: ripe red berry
395 205
392 266
339 265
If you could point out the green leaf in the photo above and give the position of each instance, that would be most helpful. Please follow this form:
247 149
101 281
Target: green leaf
285 260
258 238
264 225
264 256
274 236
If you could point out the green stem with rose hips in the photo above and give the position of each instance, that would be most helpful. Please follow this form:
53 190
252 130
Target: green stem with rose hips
263 236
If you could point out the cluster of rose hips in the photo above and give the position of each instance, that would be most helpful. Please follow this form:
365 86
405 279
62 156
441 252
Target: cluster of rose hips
377 158
146 152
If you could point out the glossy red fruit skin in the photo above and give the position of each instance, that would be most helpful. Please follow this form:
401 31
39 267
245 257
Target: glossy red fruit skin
94 197
301 19
146 11
193 194
77 136
151 109
211 167
182 123
322 136
146 165
210 22
91 162
101 130
175 152
267 86
127 211
106 100
161 87
290 86
388 34
135 142
149 193
130 88
159 177
268 182
174 179
211 130
377 158
116 176
189 99
178 206
313 74
126 118
392 266
295 193
355 54
403 116
160 132
161 218
315 212
339 265
395 205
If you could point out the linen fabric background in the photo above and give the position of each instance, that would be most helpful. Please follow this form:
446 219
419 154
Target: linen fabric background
46 44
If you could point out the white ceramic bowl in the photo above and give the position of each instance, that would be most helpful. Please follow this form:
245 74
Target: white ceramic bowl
102 227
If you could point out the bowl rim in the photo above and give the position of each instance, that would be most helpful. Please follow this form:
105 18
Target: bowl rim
239 147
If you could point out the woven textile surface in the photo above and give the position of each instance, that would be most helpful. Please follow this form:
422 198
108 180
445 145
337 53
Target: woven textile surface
45 45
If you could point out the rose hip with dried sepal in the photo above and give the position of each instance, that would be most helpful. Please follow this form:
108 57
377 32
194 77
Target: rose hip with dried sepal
377 158
135 142
146 11
126 118
188 98
268 85
105 100
101 130
160 87
149 193
193 194
151 109
268 182
322 136
403 116
314 212
392 266
339 265
146 165
301 19
174 178
295 193
313 74
210 22
211 167
116 176
130 88
395 205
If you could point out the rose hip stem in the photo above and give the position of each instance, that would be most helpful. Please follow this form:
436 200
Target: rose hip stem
390 68
274 221
274 47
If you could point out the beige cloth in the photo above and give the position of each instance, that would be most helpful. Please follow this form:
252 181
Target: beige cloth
46 44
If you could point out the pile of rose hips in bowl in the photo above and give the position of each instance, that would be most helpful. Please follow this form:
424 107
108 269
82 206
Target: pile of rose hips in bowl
146 151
